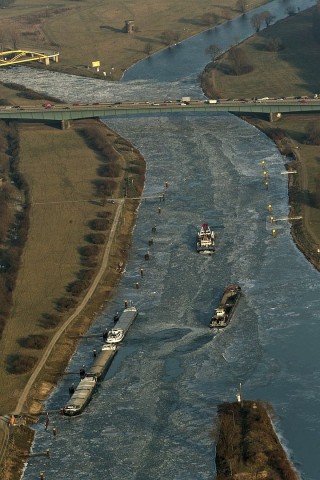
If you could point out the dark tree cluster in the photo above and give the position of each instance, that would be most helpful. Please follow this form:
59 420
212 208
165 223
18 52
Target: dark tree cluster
239 62
169 37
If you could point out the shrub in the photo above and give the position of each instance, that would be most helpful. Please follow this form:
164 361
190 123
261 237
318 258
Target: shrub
89 250
109 170
65 303
96 238
104 214
18 364
89 262
36 342
86 274
99 224
50 321
105 188
77 287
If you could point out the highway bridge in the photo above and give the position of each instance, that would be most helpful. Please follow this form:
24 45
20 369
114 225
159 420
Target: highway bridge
65 113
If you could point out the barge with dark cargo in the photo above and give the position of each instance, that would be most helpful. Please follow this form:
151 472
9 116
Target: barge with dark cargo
85 389
81 397
230 298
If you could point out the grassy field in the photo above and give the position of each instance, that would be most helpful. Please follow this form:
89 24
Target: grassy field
60 169
86 31
292 71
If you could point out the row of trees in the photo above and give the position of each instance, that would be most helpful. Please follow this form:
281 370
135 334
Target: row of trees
259 19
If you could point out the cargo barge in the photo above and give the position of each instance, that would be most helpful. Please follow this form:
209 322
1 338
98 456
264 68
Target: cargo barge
206 240
85 389
103 362
81 397
228 303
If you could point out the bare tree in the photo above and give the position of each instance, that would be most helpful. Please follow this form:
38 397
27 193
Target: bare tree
313 133
256 22
168 37
209 19
14 35
267 17
214 51
242 5
147 48
239 61
3 36
274 44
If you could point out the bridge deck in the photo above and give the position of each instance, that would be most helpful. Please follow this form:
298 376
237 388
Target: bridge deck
66 112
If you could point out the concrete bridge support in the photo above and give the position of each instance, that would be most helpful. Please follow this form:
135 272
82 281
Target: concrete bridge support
65 124
274 116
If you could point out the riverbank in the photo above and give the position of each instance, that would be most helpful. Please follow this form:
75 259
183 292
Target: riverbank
63 26
302 158
293 70
75 200
248 447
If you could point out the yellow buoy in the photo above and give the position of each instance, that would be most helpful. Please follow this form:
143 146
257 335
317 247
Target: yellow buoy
270 207
273 231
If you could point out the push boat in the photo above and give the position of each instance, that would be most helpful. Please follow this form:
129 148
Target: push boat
115 335
205 240
226 308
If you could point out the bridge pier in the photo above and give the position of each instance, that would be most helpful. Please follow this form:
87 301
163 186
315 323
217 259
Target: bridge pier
65 124
274 116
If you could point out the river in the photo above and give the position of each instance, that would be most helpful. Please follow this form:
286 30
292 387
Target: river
152 417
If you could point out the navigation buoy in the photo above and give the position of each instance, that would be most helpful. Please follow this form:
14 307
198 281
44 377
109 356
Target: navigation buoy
48 452
265 174
167 184
41 476
141 272
266 185
159 210
271 219
54 431
274 232
126 304
262 163
147 256
137 285
94 351
270 208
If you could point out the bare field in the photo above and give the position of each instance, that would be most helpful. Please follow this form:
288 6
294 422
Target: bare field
84 32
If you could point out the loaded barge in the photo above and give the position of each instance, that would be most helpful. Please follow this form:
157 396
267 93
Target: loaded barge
85 389
228 303
206 240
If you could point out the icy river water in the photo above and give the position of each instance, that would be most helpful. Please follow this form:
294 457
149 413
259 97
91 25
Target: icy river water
152 417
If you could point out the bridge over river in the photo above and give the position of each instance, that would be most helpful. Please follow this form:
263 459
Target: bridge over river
65 113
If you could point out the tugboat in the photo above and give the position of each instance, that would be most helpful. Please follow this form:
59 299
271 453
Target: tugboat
115 335
206 240
228 303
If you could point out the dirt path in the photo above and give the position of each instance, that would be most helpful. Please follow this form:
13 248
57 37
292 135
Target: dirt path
78 310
